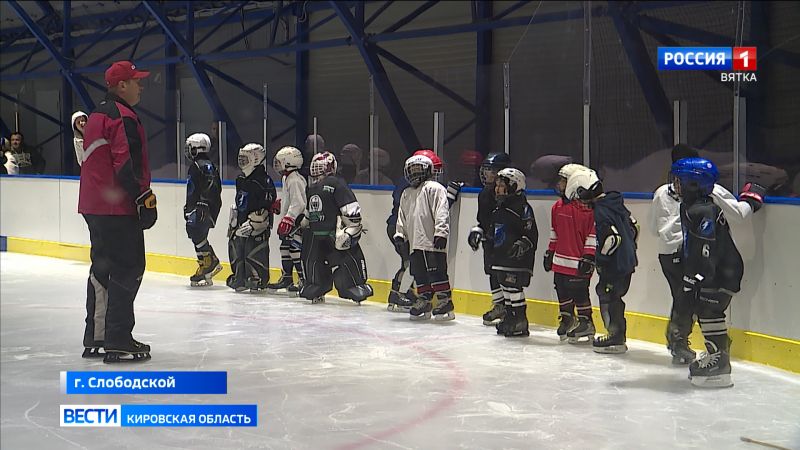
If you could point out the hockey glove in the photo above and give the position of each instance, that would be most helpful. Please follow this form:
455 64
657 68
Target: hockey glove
753 194
439 242
548 261
586 265
286 226
475 237
146 208
245 230
692 284
454 190
201 212
521 247
401 246
275 208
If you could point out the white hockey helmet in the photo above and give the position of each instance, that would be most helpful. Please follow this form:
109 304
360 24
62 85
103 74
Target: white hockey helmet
323 164
418 169
251 156
514 178
583 185
287 159
196 144
568 169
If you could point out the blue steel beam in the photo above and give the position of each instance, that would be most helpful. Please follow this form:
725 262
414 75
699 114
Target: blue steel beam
274 31
65 68
645 72
26 58
280 135
381 80
410 17
251 92
312 28
189 24
460 130
425 78
139 108
510 9
483 59
121 47
4 128
253 28
68 163
31 108
214 102
301 83
377 13
100 36
138 40
233 10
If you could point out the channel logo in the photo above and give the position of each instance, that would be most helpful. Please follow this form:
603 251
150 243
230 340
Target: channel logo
91 415
740 59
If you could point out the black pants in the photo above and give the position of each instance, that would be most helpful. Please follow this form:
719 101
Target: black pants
249 257
610 290
429 270
710 306
118 264
325 266
681 314
573 291
199 236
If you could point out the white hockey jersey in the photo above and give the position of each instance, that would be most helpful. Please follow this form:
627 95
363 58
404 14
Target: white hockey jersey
665 216
293 195
424 213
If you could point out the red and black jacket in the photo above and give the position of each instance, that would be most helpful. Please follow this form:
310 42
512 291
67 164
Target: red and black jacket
116 169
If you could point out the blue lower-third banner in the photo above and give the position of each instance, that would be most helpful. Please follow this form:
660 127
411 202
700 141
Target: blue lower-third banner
159 415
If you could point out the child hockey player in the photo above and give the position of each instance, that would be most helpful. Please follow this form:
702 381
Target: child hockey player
615 256
288 162
423 226
251 221
203 202
483 231
514 249
712 267
570 255
399 301
666 224
331 252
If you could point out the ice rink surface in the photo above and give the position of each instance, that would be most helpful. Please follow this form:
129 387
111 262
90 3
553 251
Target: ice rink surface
342 376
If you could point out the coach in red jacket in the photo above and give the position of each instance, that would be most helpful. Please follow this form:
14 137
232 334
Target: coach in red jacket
117 204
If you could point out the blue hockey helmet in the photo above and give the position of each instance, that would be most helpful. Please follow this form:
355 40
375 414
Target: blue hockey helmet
493 163
697 175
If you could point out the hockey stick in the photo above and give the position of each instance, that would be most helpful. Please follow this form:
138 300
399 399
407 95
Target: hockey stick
765 444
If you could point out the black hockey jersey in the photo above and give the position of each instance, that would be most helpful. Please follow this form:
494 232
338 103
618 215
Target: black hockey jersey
326 198
254 193
486 204
203 183
511 220
708 248
613 223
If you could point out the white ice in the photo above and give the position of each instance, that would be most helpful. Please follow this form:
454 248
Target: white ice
343 376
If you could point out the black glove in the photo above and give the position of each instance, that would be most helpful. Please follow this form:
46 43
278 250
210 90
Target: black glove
453 190
146 208
475 237
521 247
439 242
201 211
586 265
753 194
400 246
548 261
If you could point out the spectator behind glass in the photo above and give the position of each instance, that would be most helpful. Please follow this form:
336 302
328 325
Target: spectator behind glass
4 146
350 162
23 160
384 164
79 119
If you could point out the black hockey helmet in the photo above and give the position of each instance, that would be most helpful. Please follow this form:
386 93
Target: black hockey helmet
494 162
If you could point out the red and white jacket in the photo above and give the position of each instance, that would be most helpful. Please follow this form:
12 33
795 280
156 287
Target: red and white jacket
572 235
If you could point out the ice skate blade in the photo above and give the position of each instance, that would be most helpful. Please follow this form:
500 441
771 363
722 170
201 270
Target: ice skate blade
611 349
518 334
444 317
240 289
113 357
92 352
489 323
202 283
562 337
712 382
423 316
397 308
581 340
283 292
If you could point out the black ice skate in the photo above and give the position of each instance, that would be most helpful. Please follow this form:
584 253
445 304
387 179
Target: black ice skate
134 351
444 310
494 315
610 343
234 283
503 324
93 350
420 310
680 350
583 332
255 284
566 323
282 287
712 369
517 323
399 303
294 289
208 266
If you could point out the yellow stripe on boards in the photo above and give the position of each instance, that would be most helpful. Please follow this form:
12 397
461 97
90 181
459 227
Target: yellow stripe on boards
774 351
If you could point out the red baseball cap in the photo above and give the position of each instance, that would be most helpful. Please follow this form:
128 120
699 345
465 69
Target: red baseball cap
123 71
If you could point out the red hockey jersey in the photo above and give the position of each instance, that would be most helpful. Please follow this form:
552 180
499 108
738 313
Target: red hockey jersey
572 235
